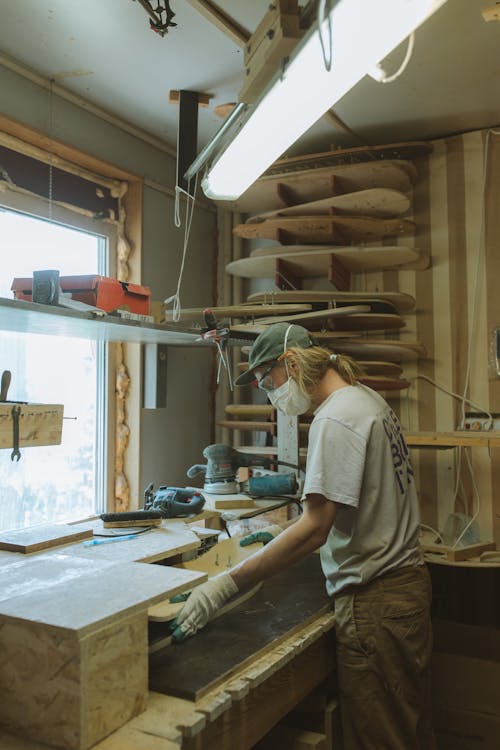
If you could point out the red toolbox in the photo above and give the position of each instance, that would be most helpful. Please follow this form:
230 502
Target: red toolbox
98 291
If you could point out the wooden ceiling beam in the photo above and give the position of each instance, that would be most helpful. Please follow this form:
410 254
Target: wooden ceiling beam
222 21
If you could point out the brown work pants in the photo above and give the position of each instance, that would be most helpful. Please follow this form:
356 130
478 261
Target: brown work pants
384 644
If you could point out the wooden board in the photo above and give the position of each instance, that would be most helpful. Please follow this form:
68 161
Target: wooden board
359 154
42 537
39 424
404 303
254 410
316 315
284 605
377 202
311 261
391 351
220 557
239 311
338 230
348 323
301 186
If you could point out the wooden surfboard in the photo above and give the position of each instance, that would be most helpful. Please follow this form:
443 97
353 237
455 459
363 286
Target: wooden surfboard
324 229
240 311
354 323
317 315
385 349
311 261
288 188
401 151
377 202
404 303
385 369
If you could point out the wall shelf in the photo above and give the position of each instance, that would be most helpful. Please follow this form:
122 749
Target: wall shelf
485 439
30 317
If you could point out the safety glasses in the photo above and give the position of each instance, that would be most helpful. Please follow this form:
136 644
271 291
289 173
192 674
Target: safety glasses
264 380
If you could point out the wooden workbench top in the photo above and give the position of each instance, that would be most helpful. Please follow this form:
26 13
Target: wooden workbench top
64 593
173 537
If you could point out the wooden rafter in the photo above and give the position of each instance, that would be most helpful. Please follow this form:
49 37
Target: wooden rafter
222 21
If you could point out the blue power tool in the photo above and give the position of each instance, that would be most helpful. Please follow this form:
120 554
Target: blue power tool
173 502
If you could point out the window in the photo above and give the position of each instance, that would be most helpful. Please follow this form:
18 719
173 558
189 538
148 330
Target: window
67 482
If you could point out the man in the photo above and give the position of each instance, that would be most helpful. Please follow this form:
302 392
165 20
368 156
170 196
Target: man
361 510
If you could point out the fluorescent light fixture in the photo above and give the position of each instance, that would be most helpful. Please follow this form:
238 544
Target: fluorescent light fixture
364 32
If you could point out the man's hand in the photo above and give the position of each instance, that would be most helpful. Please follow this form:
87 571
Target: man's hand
264 535
202 605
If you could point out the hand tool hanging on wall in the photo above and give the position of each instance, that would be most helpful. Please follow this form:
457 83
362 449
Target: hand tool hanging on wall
4 385
16 453
214 331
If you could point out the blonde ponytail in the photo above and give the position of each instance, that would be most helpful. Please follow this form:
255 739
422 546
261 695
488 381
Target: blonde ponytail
313 362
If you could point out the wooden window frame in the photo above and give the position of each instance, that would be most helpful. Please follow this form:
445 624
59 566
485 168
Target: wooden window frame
125 372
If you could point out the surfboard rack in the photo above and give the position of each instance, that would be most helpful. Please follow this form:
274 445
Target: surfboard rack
286 278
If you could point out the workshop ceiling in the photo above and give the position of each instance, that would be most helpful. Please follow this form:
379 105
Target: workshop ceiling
106 53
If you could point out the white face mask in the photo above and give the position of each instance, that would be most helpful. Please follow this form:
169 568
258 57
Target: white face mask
289 399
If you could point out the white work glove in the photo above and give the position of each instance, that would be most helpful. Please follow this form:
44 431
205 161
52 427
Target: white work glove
202 605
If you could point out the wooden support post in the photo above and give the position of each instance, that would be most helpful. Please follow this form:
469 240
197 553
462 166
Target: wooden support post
338 275
188 134
286 195
285 277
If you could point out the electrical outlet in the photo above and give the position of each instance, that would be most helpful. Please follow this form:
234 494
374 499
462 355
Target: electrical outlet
475 423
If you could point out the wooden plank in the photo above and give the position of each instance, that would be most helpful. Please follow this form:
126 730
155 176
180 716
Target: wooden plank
359 154
239 311
315 315
386 369
257 410
385 349
404 303
311 261
426 439
376 202
298 596
90 600
338 230
173 537
222 21
459 554
220 557
41 537
302 186
39 424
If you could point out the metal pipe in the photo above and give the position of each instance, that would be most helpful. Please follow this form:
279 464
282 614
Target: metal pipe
207 151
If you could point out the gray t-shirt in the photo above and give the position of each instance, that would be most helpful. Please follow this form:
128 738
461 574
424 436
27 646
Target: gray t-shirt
357 457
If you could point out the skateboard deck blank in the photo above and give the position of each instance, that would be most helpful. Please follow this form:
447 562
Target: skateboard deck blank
311 261
290 188
324 229
376 202
404 303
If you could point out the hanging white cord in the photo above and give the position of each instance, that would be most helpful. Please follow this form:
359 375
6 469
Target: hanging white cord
378 73
190 204
455 395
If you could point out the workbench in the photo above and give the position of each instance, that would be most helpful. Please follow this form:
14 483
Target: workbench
73 648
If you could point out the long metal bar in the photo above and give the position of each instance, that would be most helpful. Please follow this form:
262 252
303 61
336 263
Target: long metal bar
208 150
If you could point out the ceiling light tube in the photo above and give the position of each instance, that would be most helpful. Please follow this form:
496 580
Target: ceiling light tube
364 32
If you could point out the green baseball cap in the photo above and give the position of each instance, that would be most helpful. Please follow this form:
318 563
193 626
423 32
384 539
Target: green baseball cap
270 345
